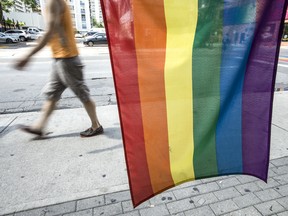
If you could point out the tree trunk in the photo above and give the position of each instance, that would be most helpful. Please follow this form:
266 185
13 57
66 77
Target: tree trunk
1 13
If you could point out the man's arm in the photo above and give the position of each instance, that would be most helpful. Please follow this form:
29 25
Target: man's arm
54 12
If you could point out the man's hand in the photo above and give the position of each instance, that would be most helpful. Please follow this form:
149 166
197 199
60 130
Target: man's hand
20 64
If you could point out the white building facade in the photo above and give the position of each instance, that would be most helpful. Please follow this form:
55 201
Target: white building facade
19 6
80 13
98 11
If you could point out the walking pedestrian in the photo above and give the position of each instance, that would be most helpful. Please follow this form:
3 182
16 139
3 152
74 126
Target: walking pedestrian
67 68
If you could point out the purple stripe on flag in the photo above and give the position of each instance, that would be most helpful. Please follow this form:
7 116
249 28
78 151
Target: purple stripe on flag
259 87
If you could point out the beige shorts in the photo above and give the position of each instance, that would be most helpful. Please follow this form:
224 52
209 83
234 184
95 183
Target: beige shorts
67 73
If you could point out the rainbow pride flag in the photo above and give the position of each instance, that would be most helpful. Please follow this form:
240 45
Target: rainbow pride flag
194 82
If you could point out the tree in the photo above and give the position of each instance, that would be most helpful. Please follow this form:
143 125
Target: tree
96 24
9 22
5 5
32 4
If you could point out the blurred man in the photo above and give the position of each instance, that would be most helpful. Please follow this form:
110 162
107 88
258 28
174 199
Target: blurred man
67 68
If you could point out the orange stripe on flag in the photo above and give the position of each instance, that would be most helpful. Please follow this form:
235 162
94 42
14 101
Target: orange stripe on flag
150 42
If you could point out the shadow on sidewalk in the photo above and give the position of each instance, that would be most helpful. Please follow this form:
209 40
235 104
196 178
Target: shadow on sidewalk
76 134
106 149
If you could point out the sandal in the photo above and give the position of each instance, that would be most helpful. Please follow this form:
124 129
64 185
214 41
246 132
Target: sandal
30 130
90 132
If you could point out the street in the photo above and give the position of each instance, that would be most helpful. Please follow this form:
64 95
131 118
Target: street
21 90
282 71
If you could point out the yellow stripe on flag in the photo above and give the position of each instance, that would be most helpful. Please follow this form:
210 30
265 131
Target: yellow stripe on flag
181 21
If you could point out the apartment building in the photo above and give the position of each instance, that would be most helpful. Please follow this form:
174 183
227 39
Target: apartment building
19 6
98 11
80 13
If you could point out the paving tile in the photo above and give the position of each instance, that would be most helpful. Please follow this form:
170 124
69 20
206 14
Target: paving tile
179 214
195 190
280 170
90 203
248 188
268 194
271 165
185 185
283 213
33 212
270 184
228 182
162 198
284 202
180 205
206 188
223 207
186 192
246 200
61 208
134 213
280 161
269 208
281 179
87 212
128 205
227 193
160 210
246 178
271 174
204 199
108 210
283 190
202 211
57 209
212 179
117 197
250 211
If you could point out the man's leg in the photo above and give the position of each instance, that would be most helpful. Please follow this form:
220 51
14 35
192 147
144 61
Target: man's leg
46 111
38 126
91 111
72 73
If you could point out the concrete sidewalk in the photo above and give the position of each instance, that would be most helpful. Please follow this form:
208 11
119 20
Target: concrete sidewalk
68 175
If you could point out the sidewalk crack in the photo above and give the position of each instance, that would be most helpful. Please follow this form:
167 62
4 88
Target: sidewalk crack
5 127
280 127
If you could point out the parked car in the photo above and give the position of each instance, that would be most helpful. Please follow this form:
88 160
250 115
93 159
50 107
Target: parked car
35 36
77 35
34 30
8 39
21 34
98 38
91 33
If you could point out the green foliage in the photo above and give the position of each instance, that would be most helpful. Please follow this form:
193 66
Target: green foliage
5 5
9 21
32 4
96 24
21 24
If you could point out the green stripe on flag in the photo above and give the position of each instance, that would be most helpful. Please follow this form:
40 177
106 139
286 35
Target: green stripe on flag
206 86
